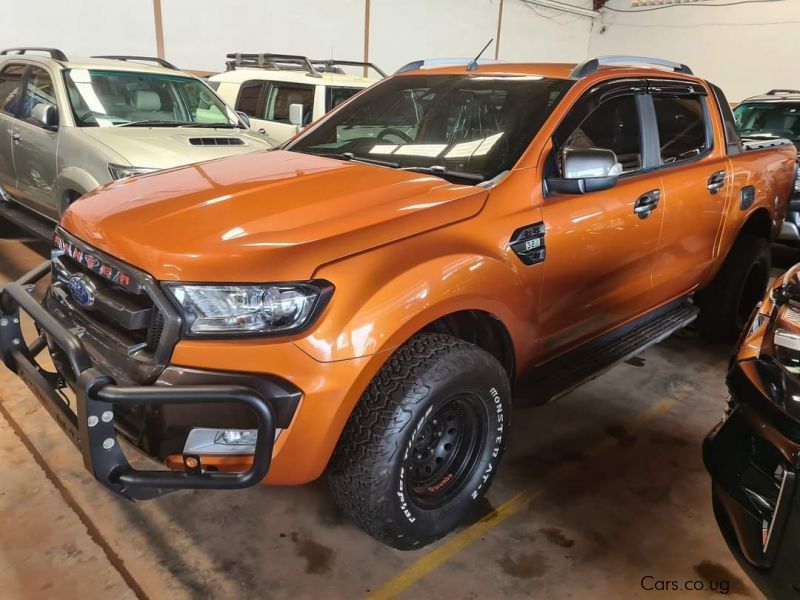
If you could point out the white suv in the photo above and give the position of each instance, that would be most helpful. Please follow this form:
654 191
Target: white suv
68 126
265 86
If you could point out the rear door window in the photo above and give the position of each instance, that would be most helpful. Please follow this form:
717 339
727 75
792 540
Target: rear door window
336 95
10 78
681 127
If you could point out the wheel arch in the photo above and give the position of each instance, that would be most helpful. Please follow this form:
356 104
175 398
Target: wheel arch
758 223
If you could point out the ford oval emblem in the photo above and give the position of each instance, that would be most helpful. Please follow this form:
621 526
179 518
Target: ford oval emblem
82 290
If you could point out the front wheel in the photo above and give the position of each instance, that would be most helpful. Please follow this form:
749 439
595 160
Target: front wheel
424 442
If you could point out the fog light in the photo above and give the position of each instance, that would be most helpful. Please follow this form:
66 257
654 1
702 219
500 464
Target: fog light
237 437
222 441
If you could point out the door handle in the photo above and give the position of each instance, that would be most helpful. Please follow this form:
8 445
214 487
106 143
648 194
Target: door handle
647 203
16 137
262 131
716 182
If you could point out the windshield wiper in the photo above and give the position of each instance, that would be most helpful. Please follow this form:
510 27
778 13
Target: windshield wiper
209 125
148 122
442 171
349 156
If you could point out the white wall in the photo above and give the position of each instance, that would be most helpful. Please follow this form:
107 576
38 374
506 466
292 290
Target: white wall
80 28
746 49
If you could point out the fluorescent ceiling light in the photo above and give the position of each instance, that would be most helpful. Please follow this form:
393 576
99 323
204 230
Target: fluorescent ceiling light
563 6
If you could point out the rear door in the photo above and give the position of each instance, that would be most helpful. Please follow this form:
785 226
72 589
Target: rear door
697 185
10 82
36 148
600 253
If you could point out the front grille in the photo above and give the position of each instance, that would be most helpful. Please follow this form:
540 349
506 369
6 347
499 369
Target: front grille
216 141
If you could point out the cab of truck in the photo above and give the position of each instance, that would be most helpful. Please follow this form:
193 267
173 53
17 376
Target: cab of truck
266 86
372 299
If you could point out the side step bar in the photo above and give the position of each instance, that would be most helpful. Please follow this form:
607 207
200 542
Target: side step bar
561 375
27 220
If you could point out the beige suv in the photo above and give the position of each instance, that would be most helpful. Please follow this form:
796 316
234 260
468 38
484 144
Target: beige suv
282 93
68 126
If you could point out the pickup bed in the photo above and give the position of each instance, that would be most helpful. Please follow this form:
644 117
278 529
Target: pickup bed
372 299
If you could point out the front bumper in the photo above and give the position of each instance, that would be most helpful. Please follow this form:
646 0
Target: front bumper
93 425
753 458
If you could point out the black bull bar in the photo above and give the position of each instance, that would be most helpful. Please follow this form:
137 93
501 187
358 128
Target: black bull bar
91 427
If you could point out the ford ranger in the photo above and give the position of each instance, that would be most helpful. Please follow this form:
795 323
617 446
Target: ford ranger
372 299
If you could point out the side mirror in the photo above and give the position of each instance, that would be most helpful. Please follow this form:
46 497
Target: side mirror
244 119
46 115
296 115
589 170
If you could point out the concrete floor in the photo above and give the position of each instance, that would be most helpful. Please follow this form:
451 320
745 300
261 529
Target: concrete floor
598 491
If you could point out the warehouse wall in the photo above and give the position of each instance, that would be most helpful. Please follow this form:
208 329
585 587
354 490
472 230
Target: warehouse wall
746 49
198 33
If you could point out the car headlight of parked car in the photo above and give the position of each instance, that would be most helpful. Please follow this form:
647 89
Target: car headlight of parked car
121 171
268 309
797 179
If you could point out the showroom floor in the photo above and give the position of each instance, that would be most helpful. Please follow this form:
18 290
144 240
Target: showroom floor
598 491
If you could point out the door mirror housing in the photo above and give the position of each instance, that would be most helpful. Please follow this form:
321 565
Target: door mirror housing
586 170
244 119
296 115
46 115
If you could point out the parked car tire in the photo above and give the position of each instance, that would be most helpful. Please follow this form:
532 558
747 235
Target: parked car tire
728 301
424 442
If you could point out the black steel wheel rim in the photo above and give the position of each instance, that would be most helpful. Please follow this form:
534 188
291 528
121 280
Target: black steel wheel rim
445 450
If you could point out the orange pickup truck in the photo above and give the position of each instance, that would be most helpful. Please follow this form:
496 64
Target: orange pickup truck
374 297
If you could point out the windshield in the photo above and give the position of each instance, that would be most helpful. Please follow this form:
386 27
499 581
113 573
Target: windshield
117 98
470 127
772 119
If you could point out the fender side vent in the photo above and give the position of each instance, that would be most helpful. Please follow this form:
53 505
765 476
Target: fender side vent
528 243
216 141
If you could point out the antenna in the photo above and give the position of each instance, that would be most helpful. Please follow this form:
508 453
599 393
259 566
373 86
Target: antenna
473 66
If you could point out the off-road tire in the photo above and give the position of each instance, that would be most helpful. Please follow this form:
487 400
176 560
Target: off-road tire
729 299
375 464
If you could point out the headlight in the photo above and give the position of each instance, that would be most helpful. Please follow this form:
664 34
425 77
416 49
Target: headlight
269 309
797 179
121 172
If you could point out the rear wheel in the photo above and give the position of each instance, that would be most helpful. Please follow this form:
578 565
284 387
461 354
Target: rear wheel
423 444
727 303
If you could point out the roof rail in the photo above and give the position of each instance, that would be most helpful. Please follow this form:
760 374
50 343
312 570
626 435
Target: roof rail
593 64
145 59
442 62
54 53
266 60
781 92
329 65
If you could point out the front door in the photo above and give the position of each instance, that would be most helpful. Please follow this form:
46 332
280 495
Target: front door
267 105
697 185
10 82
600 251
35 147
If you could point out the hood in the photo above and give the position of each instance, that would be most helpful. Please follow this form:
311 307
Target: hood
165 147
267 216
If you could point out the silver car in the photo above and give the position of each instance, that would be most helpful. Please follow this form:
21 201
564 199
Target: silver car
68 126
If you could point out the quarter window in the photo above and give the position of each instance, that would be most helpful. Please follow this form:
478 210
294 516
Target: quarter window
39 90
337 95
10 79
249 97
681 127
614 125
282 95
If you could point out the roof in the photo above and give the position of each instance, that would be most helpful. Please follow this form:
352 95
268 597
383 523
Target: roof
93 63
552 70
242 74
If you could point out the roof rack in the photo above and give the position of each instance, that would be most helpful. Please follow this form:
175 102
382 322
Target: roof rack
266 60
442 62
593 64
330 66
54 53
781 92
145 59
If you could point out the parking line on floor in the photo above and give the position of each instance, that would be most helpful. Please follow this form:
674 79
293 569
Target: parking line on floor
457 542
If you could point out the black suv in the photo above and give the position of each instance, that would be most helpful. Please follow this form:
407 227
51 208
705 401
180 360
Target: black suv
775 115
